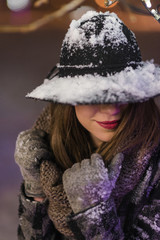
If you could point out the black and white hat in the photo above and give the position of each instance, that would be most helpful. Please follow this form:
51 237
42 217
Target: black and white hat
100 62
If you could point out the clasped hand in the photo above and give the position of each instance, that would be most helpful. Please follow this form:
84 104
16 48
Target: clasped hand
90 182
31 149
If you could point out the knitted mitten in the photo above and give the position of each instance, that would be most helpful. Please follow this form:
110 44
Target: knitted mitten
89 182
31 148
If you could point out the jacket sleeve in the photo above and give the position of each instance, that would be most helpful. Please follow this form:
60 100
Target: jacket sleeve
102 222
147 222
34 223
97 223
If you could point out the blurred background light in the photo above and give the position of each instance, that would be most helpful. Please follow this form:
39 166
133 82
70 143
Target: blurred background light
18 5
106 3
100 3
148 3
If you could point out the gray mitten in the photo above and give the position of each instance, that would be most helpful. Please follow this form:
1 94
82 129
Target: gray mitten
90 182
32 147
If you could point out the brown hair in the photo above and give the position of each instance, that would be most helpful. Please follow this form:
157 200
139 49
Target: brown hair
71 142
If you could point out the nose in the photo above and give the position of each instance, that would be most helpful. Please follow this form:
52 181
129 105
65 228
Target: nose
112 109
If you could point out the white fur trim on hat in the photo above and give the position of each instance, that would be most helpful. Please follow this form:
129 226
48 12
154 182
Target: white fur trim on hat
129 85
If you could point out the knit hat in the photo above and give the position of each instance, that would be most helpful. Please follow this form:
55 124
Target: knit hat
100 62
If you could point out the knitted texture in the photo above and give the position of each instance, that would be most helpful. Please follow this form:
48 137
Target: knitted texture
31 149
90 182
131 172
59 207
100 62
104 43
51 179
44 120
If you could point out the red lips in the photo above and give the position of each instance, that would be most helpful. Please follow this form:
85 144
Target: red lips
109 124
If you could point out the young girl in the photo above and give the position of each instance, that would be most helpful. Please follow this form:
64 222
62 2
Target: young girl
91 162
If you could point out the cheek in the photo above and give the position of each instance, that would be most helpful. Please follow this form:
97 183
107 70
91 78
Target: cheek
84 114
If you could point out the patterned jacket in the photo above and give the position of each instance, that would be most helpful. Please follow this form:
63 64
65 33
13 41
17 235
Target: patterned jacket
136 218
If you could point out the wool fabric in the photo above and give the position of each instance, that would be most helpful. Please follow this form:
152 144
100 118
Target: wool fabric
59 208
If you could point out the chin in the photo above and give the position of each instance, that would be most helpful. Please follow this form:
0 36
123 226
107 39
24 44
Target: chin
106 137
99 139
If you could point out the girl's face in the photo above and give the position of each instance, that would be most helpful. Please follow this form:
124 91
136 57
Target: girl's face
100 120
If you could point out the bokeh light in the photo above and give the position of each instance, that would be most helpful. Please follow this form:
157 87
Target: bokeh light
18 5
101 3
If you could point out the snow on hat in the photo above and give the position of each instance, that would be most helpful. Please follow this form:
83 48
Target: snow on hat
100 62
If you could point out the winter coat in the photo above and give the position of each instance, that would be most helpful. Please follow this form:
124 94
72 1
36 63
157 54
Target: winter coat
136 218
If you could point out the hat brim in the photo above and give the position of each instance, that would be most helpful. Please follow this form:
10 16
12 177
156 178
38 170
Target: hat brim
128 86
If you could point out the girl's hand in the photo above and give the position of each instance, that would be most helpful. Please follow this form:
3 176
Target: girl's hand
38 199
90 182
32 148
